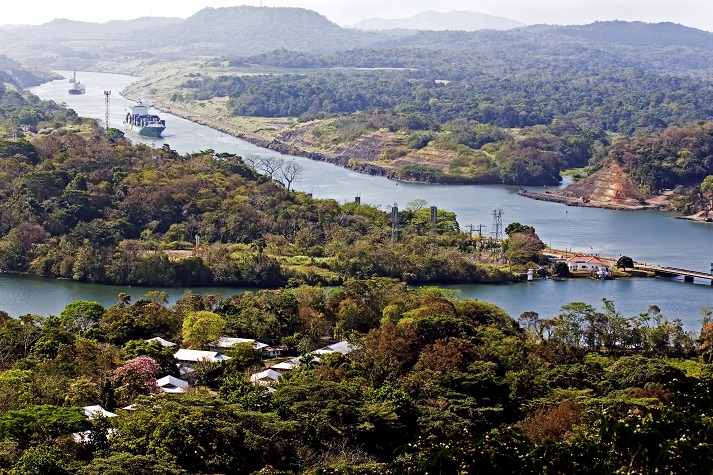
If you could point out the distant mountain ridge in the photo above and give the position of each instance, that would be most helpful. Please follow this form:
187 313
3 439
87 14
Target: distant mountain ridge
635 33
251 29
441 21
244 31
70 29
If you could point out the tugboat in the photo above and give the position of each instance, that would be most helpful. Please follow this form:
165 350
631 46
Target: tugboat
77 87
140 121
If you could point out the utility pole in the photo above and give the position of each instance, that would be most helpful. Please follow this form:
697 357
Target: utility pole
107 95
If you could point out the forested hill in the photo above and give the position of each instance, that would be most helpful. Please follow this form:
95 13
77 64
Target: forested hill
256 29
11 72
80 204
636 33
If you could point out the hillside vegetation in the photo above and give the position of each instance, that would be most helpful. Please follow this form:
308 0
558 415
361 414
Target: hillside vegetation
433 384
80 204
515 107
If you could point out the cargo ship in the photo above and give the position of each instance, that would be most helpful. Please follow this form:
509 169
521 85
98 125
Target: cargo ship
77 87
140 121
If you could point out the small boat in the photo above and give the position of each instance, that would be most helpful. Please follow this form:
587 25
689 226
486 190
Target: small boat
77 87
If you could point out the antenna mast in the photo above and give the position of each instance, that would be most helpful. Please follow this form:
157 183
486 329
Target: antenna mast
107 95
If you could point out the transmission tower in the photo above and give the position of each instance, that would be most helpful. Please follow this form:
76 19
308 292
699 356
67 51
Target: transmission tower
497 232
107 95
394 224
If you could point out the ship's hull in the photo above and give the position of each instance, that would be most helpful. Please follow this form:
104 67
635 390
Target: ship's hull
77 91
146 131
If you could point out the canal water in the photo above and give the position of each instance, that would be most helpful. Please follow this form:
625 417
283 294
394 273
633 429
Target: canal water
646 236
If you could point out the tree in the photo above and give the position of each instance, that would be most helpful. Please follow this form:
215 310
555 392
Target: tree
523 246
233 441
125 463
163 355
561 269
242 357
202 327
707 191
136 376
625 262
516 227
40 460
237 389
40 423
290 172
81 315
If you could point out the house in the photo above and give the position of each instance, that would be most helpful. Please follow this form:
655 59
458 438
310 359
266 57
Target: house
287 365
162 341
224 343
265 378
170 384
92 412
586 263
343 347
189 358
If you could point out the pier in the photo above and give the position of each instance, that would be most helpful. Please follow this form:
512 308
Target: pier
688 275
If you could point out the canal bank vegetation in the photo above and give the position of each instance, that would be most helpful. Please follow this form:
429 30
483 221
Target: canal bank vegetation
434 384
456 107
92 207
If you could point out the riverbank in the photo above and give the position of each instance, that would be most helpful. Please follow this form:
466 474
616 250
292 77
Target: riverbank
700 217
611 187
555 197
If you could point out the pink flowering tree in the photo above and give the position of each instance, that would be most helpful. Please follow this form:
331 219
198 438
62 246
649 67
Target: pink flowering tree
136 377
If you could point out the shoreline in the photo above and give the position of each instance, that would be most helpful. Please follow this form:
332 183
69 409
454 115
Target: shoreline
555 197
699 217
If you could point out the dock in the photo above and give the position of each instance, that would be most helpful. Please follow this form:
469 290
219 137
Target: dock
688 275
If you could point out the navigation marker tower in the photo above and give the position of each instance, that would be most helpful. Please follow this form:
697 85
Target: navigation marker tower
107 95
394 224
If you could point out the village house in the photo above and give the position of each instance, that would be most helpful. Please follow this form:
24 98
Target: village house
172 385
188 358
265 378
585 263
224 343
162 341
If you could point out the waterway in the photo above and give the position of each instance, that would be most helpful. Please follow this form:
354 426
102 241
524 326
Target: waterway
646 236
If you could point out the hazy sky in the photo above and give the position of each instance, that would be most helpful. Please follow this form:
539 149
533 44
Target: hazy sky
695 13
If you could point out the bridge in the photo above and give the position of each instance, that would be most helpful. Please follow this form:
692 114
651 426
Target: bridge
688 275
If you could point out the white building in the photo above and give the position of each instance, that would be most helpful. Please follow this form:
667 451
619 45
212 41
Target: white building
265 378
162 341
224 343
587 263
172 385
191 357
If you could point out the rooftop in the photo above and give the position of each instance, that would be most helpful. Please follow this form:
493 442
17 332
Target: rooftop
199 355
